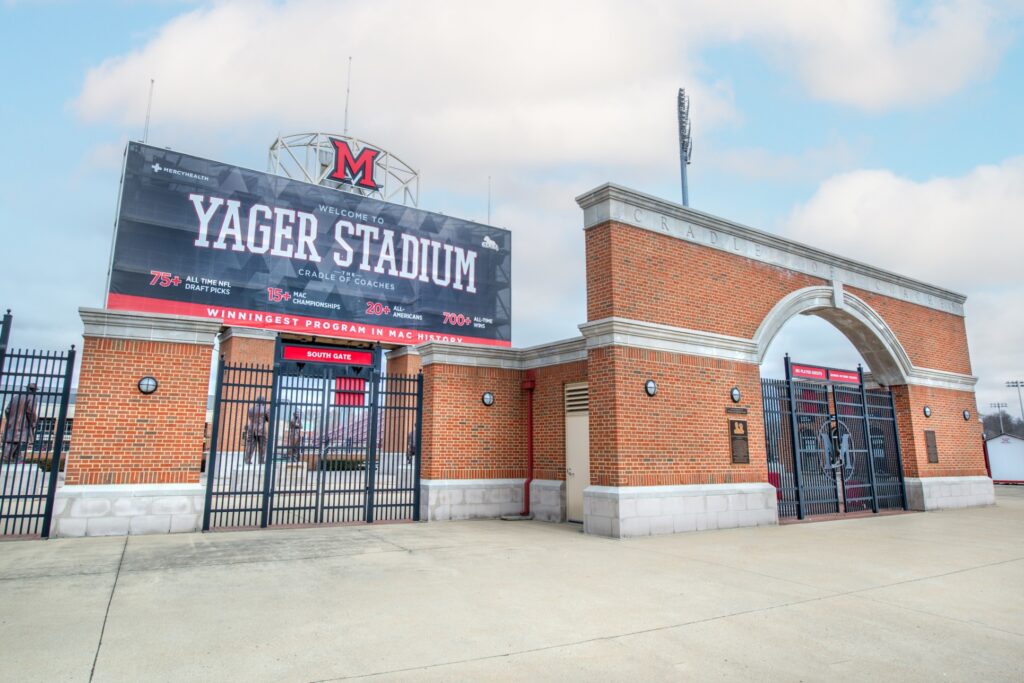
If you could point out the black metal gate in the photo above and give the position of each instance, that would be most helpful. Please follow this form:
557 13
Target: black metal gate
301 444
35 390
832 444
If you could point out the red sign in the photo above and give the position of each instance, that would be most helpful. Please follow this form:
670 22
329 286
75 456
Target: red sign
349 391
320 354
844 376
808 372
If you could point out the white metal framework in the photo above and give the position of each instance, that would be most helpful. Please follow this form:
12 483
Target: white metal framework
309 157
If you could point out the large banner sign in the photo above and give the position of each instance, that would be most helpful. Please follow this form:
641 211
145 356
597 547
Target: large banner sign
198 237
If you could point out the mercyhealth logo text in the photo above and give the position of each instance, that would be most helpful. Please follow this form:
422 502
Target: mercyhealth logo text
157 168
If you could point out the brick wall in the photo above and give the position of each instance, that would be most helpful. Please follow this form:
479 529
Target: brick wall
124 437
958 440
463 438
549 417
248 350
640 275
406 364
931 338
678 436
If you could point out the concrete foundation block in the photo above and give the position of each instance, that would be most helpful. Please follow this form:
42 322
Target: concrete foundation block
940 493
547 500
149 524
443 499
624 512
127 509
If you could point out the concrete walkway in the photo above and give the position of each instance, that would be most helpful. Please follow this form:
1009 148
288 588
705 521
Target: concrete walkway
907 597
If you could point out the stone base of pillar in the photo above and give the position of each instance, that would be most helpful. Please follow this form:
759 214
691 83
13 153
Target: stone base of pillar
547 500
128 509
446 499
943 493
628 511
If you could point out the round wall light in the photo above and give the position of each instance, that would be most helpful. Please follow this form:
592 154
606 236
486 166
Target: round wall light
651 387
148 384
735 395
967 415
927 411
487 399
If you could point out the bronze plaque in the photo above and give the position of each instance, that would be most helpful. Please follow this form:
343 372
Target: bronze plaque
739 441
931 446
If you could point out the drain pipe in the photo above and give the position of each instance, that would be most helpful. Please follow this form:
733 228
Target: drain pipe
528 384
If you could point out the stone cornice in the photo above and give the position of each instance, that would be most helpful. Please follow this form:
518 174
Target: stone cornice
611 202
247 333
655 337
555 353
111 324
402 351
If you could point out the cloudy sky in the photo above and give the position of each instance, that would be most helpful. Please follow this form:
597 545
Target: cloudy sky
889 132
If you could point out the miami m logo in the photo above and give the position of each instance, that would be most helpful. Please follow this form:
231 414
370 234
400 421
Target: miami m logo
354 170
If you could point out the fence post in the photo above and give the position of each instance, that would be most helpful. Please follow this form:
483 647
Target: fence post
418 462
211 461
795 434
58 446
371 437
867 440
268 471
5 335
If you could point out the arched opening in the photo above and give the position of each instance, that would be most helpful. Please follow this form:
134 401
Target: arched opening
831 434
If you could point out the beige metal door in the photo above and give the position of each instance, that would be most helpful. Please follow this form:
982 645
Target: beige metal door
577 448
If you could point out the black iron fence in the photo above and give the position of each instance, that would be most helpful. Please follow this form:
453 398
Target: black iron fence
35 391
299 447
832 448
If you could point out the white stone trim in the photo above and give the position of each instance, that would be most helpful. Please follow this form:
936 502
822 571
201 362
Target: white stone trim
943 493
402 351
472 355
128 509
547 500
447 499
184 329
629 511
657 337
611 202
246 333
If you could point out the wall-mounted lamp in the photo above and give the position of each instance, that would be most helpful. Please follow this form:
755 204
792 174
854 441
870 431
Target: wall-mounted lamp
148 384
487 399
651 387
927 411
735 395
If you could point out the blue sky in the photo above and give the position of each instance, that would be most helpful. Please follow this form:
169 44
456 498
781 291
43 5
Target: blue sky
887 131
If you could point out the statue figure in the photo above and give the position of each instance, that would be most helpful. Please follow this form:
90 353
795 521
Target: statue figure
295 435
256 431
21 422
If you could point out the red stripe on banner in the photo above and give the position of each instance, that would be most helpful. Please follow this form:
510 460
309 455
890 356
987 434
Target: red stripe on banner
237 317
843 376
807 372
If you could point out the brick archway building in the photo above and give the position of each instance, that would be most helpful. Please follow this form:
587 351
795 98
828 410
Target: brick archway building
692 302
676 296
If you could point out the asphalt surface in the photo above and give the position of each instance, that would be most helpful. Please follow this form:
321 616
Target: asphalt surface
906 597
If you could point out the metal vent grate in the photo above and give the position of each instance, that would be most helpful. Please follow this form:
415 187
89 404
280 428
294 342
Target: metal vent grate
577 398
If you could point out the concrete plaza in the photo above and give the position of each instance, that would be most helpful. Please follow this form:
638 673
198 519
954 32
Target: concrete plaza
905 597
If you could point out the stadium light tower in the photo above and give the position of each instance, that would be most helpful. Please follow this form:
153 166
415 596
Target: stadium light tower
1017 384
685 141
999 408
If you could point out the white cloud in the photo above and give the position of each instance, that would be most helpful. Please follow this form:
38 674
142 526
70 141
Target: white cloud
965 234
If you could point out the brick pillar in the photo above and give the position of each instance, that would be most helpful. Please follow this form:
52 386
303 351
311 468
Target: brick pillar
135 465
247 345
403 361
959 478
